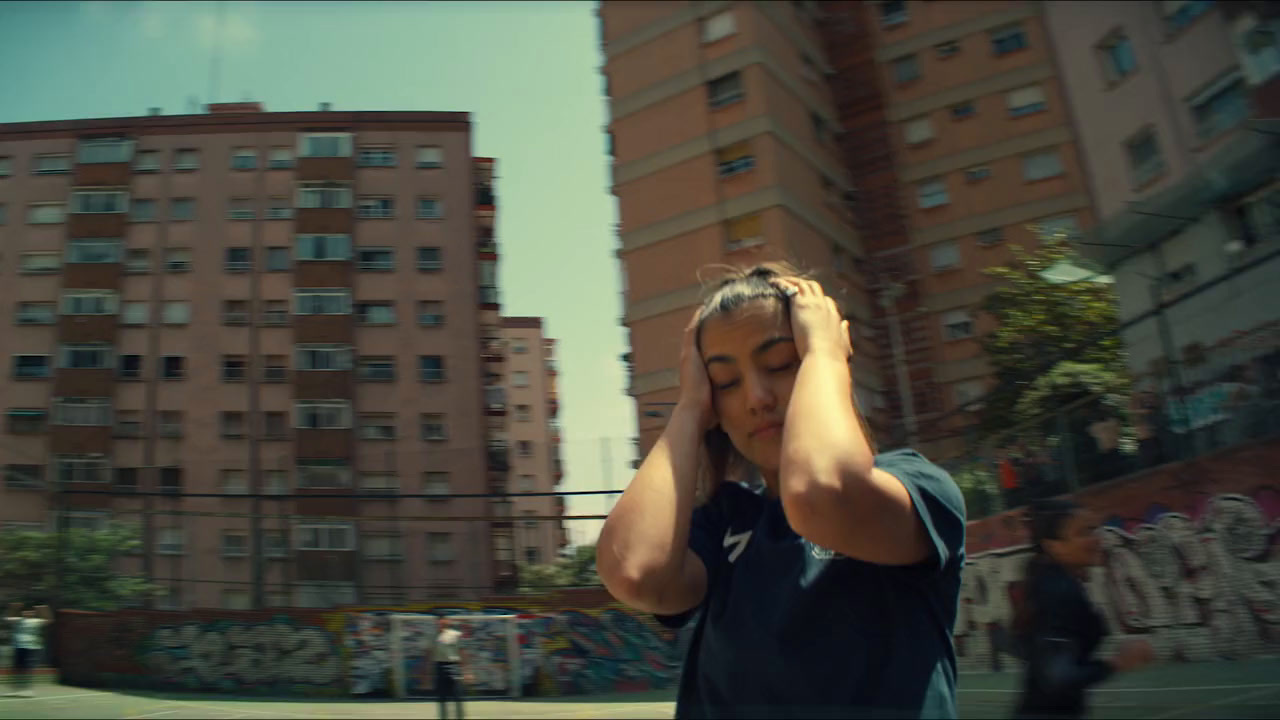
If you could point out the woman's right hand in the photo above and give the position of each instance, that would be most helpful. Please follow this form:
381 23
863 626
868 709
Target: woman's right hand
695 386
1133 654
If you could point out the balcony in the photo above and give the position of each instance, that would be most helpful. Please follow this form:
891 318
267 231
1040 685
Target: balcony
484 197
495 401
498 457
491 350
553 406
488 295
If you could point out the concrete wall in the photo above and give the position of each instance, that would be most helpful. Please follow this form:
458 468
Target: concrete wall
1192 563
575 642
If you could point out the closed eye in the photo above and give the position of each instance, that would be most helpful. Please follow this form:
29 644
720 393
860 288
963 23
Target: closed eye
782 368
726 385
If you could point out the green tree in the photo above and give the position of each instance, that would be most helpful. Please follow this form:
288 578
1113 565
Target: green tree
1055 341
575 569
29 568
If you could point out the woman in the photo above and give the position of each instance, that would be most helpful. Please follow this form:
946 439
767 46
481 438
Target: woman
829 592
1059 628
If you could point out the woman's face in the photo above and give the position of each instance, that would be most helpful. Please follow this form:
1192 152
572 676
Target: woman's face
751 361
1078 545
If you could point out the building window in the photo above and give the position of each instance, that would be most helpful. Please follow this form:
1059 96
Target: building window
177 259
519 347
87 356
377 426
918 131
376 207
932 193
430 313
26 421
130 367
315 145
323 474
430 208
718 26
1145 161
173 367
175 312
1025 101
994 236
957 325
380 546
244 159
240 209
1008 40
94 250
238 259
892 12
235 312
275 425
380 368
376 259
440 547
431 368
104 150
36 313
90 412
235 368
46 213
380 484
323 357
1062 227
968 391
376 156
1041 165
170 424
275 482
523 413
186 159
323 247
23 477
947 49
275 368
963 110
235 599
317 301
90 302
324 195
26 367
231 423
278 208
520 379
525 448
434 426
6 166
1179 14
1220 107
323 414
977 174
147 161
430 259
234 482
325 536
1116 55
181 209
39 263
430 156
435 483
142 210
280 158
376 313
725 90
82 469
944 256
126 479
137 261
744 232
905 69
53 164
734 159
97 202
278 259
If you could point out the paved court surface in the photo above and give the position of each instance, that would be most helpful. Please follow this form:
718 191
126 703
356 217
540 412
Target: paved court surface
1204 690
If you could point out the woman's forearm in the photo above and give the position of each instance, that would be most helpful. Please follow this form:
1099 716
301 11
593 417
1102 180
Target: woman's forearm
644 541
823 445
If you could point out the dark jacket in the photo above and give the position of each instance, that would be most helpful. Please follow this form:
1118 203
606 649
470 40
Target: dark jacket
1062 634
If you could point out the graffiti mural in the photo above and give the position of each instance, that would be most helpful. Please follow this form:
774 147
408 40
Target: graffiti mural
227 656
368 652
610 651
1198 586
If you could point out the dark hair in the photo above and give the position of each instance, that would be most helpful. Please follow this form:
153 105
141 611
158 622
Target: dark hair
1046 519
735 290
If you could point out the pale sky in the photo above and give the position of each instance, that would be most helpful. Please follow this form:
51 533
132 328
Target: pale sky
527 72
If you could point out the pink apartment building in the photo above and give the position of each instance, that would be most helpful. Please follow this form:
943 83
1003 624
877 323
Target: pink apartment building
284 321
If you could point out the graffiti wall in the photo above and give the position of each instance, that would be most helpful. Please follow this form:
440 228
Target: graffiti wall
570 643
1192 563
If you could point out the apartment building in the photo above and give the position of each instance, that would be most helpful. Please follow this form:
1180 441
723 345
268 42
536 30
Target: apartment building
533 405
1175 107
723 136
256 330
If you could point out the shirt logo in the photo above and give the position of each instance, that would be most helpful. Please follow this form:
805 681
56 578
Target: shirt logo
739 542
822 553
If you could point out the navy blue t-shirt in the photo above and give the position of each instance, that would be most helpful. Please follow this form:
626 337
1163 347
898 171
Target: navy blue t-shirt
790 629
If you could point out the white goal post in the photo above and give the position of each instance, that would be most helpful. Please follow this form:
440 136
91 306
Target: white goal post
490 646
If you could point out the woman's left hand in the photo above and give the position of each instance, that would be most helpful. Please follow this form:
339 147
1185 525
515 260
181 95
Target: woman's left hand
816 323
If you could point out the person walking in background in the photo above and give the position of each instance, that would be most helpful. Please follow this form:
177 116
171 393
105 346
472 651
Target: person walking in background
1058 627
27 628
450 667
830 589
